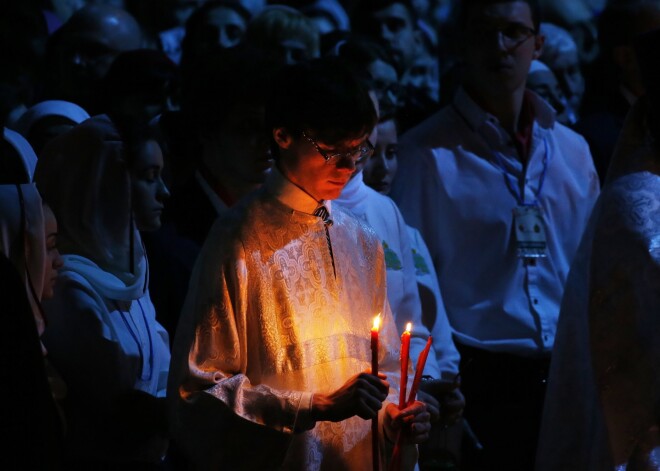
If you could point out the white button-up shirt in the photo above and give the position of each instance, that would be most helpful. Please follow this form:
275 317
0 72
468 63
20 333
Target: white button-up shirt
452 186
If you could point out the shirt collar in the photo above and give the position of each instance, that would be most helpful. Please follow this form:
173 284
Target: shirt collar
354 192
292 195
476 117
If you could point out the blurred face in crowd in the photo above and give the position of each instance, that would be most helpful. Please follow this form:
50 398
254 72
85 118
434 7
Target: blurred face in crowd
148 189
545 84
228 24
398 33
566 67
302 161
53 258
385 84
241 148
424 75
499 47
100 38
381 168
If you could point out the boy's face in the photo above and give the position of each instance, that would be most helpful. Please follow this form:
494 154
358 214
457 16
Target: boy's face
301 162
500 45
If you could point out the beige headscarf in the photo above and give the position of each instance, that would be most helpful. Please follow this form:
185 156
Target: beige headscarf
84 178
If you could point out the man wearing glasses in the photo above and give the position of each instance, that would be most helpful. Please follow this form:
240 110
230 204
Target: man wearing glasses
501 193
271 360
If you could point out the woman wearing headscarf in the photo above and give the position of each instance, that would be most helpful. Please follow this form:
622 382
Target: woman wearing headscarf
30 419
103 335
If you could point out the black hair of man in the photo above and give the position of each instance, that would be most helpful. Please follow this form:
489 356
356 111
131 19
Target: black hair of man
364 9
145 73
226 79
467 6
361 14
324 97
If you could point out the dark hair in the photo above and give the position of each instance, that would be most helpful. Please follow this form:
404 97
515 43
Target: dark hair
619 22
360 52
145 72
323 96
466 6
227 78
133 135
361 14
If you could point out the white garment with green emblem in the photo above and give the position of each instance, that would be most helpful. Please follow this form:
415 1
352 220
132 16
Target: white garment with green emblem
406 277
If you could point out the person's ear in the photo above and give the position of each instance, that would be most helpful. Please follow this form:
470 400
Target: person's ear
282 138
539 41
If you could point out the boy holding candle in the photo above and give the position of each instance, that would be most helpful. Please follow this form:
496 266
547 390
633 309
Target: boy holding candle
273 347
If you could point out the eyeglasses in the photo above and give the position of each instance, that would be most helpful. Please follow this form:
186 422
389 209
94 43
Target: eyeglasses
512 34
356 155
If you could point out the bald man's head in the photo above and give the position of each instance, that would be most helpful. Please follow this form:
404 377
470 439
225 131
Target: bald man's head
110 29
85 47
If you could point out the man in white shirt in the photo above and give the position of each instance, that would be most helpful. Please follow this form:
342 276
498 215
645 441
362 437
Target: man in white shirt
501 193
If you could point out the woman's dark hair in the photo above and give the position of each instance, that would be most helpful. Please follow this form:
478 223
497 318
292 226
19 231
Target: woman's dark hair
322 96
134 134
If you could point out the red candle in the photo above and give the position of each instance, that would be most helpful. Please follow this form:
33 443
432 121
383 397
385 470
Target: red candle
395 464
374 345
421 362
374 370
405 357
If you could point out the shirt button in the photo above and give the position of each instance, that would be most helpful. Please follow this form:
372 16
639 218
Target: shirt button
536 301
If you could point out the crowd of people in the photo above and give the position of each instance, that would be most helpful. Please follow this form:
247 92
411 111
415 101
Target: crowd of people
205 203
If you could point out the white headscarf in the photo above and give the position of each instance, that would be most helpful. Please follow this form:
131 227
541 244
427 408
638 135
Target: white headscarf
23 150
47 108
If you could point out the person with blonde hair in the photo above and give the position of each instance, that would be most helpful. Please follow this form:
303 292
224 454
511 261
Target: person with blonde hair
284 33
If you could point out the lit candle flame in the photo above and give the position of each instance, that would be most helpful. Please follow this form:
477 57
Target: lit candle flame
408 327
376 326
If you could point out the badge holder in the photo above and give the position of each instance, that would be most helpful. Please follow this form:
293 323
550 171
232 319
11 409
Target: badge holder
530 232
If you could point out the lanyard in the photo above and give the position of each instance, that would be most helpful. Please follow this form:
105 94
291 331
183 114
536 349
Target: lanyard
520 196
143 377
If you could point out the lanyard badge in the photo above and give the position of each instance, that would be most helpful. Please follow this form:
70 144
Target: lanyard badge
528 220
530 231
